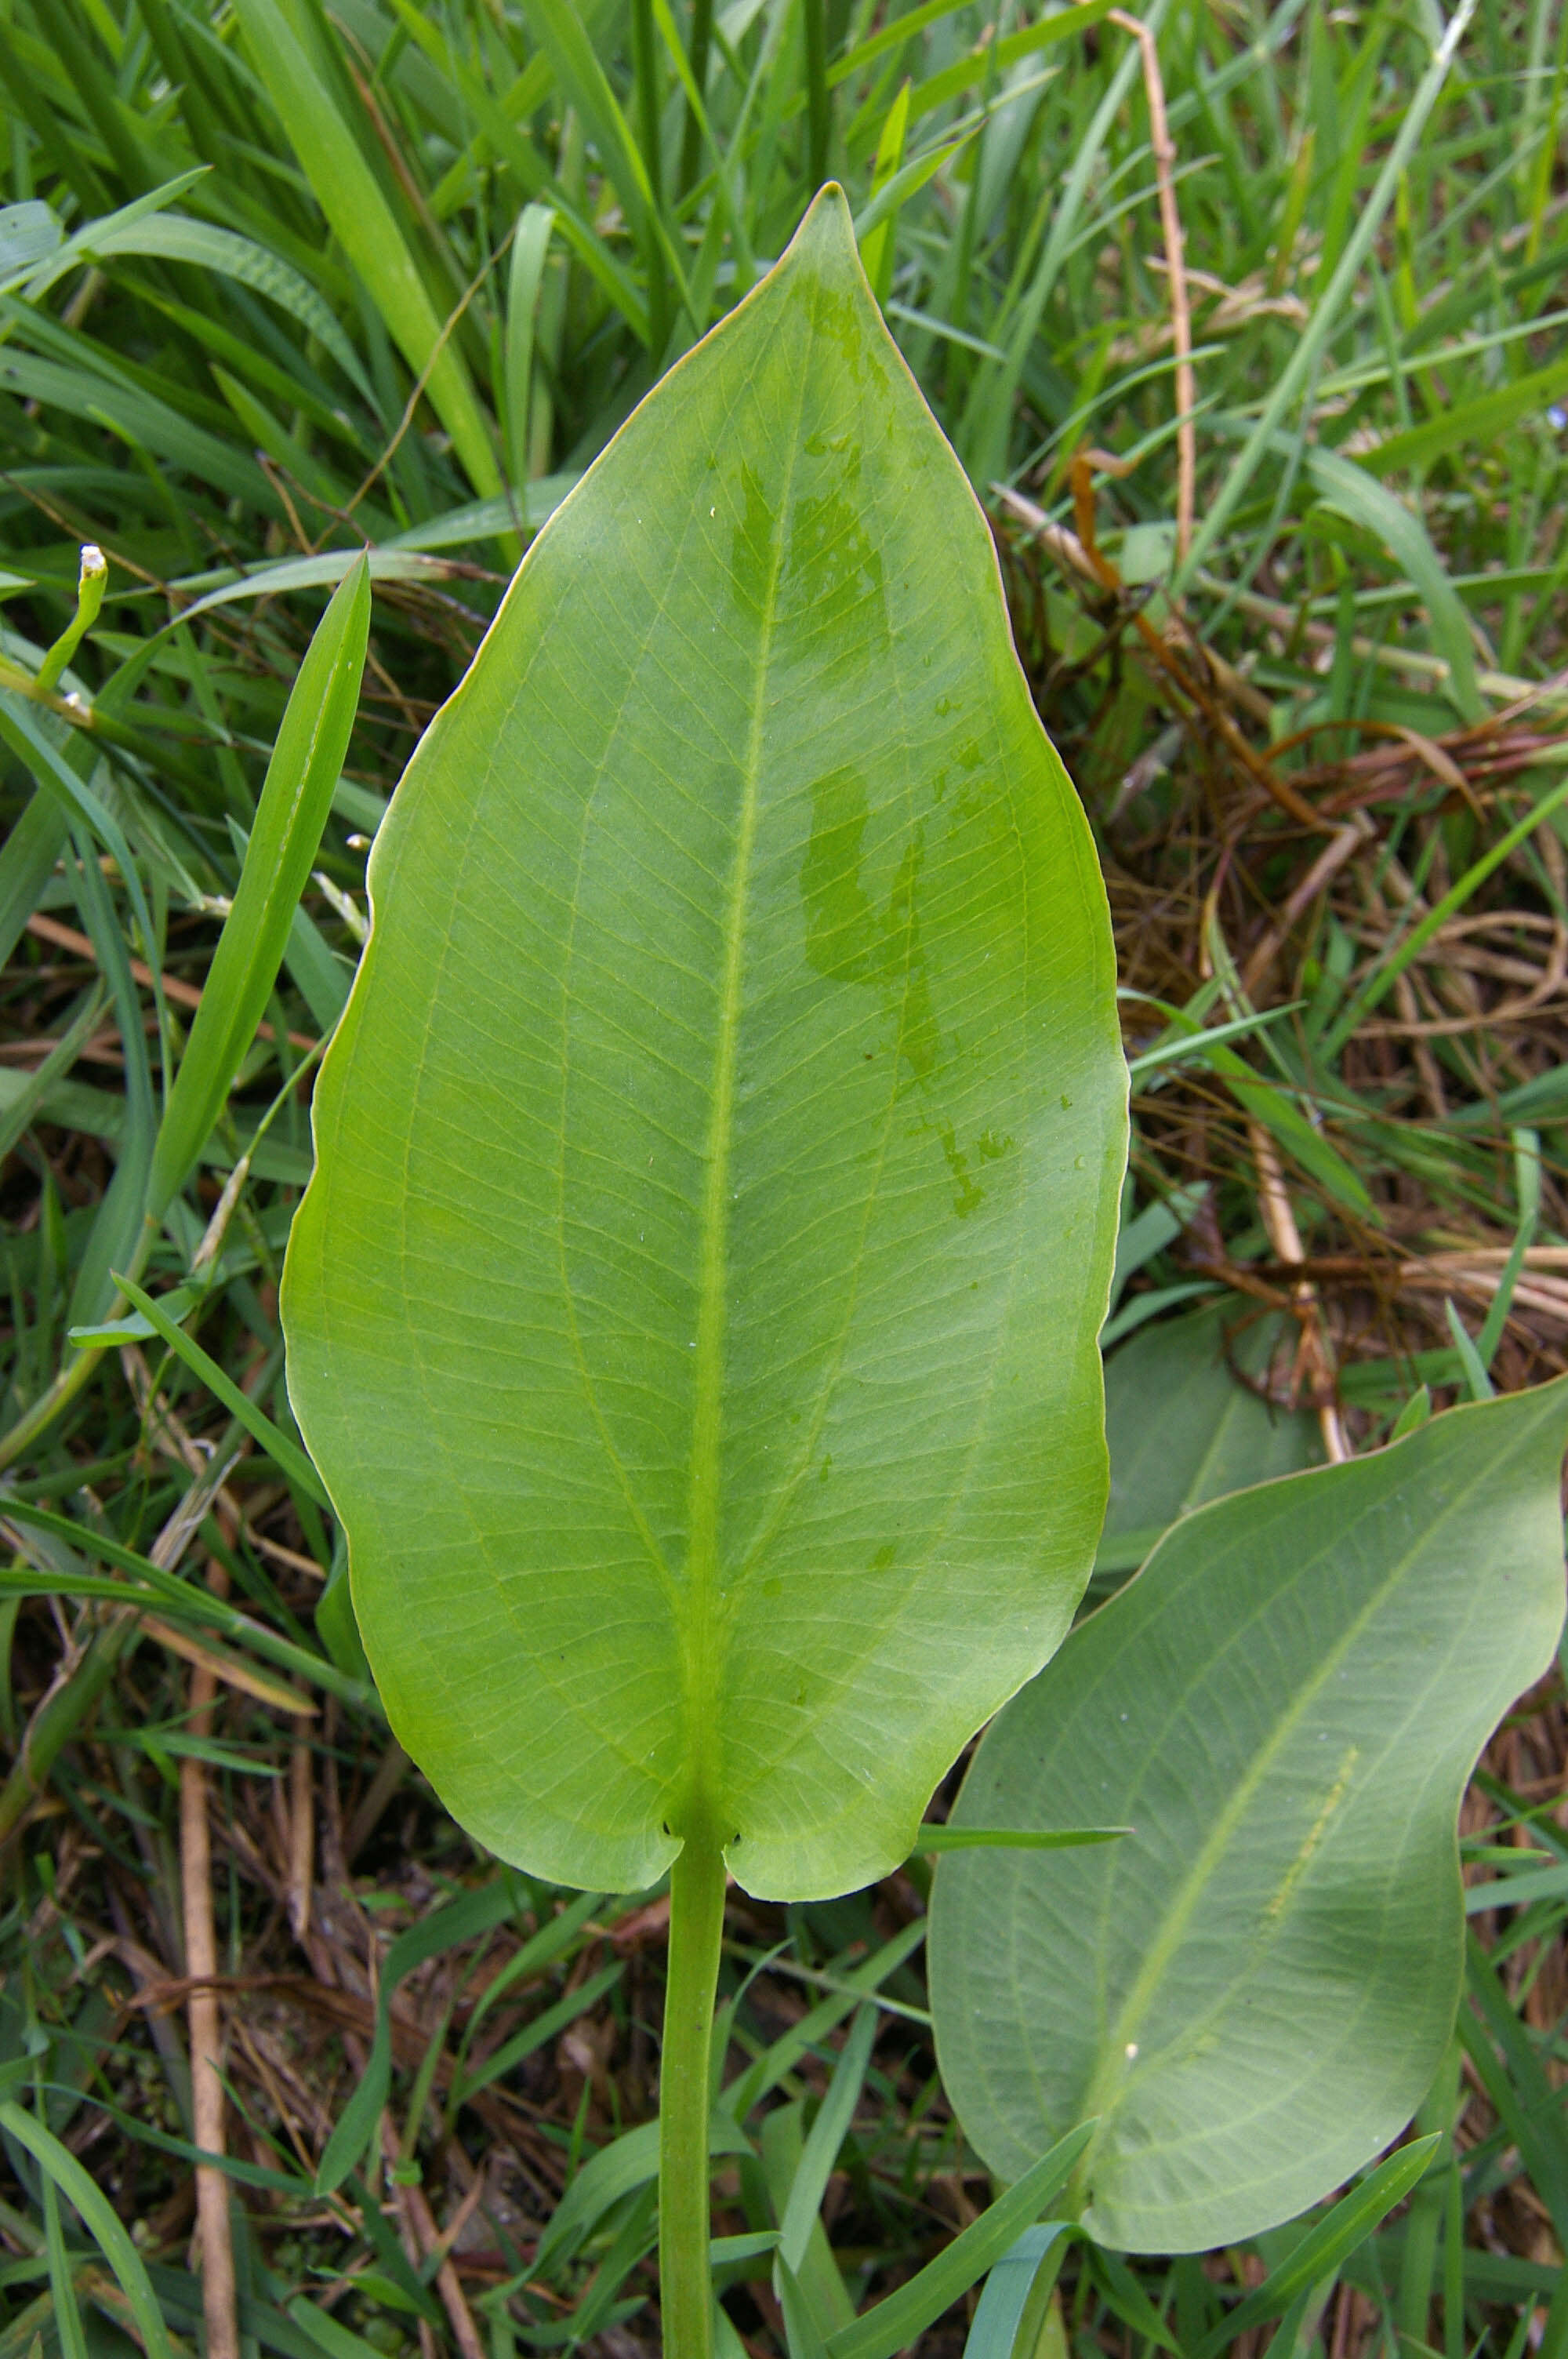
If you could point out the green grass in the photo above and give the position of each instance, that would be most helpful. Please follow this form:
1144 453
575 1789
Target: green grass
282 282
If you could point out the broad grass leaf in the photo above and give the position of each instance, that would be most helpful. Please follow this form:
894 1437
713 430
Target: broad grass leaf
307 756
1011 2314
97 2215
1327 2244
179 238
28 233
140 420
348 193
1350 492
36 273
901 2318
693 1315
1253 1990
27 858
1482 421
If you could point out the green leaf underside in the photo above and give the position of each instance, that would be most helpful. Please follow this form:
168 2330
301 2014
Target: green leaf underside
1253 1990
1182 1428
693 1315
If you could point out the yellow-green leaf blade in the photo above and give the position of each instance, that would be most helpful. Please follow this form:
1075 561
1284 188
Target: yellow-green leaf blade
694 1312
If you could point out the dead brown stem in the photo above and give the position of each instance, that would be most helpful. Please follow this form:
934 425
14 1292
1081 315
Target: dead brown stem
1280 1220
421 2224
1175 266
381 1791
1183 677
1328 864
219 2308
185 995
301 1835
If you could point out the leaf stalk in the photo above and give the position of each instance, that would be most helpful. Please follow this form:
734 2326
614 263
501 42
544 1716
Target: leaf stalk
697 1926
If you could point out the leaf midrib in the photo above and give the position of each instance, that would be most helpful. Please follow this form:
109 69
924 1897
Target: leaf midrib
702 1647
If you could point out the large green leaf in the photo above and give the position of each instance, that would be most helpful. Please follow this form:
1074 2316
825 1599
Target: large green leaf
1253 1990
693 1315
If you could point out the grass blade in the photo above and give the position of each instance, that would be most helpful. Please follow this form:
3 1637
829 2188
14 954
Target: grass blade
284 1454
827 2135
98 2217
818 98
460 1920
174 1597
359 215
1015 2295
1305 359
1481 421
895 2322
1352 492
1386 972
1327 2246
23 1109
530 249
295 798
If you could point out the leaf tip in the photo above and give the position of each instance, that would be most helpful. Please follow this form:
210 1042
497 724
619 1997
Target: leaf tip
826 232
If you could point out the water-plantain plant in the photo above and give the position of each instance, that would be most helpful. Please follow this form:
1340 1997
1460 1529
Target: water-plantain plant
694 1318
694 1312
